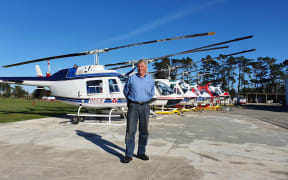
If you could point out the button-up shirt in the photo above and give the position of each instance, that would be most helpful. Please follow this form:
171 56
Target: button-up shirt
139 89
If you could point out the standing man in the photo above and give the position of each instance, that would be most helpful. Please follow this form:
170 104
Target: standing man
139 90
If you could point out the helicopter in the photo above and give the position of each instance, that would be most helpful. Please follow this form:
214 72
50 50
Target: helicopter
93 86
191 92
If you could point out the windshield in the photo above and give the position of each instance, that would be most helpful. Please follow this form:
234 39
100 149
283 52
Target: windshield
221 90
163 88
113 86
216 92
184 87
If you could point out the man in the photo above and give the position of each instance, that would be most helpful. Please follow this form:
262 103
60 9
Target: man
139 90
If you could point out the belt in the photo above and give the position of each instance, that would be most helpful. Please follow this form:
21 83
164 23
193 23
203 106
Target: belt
141 103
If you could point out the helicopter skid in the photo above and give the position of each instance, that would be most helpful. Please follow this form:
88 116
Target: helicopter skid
104 106
95 105
80 117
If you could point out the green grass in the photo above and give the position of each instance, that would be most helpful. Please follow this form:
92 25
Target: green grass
12 109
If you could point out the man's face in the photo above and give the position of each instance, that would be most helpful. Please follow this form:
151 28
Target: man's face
142 68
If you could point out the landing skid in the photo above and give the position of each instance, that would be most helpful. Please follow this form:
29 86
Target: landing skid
80 117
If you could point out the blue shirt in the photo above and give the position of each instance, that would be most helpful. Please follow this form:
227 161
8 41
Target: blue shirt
139 89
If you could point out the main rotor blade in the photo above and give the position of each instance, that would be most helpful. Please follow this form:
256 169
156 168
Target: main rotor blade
161 57
225 55
196 49
107 49
49 58
120 67
184 73
186 52
161 40
115 64
241 52
225 42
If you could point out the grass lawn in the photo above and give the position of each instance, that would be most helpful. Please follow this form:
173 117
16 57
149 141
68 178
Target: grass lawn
12 109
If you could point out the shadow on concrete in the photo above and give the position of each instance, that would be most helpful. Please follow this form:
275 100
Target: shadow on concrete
266 107
102 143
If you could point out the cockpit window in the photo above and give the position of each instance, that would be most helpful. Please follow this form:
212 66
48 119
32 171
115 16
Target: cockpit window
177 91
184 89
217 91
163 88
113 86
221 90
94 87
203 91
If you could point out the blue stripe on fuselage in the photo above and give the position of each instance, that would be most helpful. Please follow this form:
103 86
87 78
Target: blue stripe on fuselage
86 100
58 76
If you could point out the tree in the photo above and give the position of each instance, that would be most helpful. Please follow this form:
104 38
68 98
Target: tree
39 93
161 68
18 91
1 89
227 69
264 74
285 66
209 70
243 69
6 89
184 65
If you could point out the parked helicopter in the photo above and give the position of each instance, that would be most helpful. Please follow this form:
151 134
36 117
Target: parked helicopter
92 86
220 96
194 95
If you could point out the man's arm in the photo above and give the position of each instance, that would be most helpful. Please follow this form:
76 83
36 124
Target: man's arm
152 88
127 88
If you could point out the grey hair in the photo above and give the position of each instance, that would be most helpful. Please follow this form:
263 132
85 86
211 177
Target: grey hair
142 61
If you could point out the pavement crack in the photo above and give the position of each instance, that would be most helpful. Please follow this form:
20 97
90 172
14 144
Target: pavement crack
206 156
161 160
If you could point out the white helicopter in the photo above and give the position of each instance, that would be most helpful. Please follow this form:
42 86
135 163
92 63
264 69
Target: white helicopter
220 96
185 94
93 86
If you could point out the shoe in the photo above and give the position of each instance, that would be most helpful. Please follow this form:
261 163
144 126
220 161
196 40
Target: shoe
143 157
127 159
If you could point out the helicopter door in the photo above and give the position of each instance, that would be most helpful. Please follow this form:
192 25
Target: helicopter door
115 91
96 91
113 86
94 87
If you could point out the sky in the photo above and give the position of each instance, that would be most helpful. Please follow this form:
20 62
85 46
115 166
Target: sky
33 29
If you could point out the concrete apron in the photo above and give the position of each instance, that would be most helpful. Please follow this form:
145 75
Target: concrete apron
198 145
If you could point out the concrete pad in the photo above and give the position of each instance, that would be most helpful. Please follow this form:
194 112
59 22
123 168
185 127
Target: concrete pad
198 145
